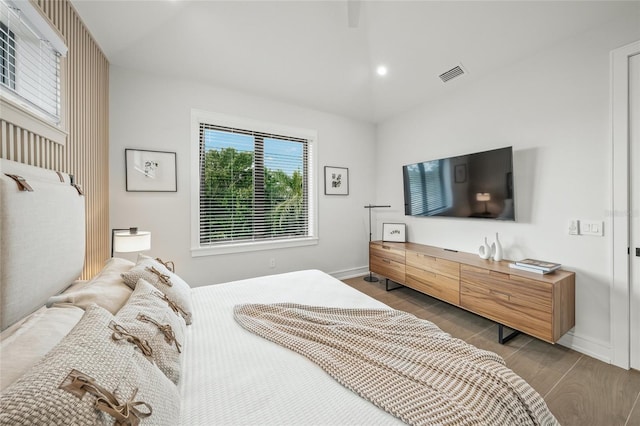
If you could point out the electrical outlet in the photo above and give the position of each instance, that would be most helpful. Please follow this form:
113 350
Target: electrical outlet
574 227
272 263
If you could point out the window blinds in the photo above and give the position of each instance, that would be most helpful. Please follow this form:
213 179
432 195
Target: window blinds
253 186
427 187
29 64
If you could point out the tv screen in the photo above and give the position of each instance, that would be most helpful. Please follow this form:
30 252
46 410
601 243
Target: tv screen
478 185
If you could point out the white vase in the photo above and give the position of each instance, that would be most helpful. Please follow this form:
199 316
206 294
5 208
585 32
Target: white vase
497 249
485 250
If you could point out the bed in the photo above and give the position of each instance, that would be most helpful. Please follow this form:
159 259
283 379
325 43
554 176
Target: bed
136 344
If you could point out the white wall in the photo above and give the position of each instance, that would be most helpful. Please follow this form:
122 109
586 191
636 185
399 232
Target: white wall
553 108
149 112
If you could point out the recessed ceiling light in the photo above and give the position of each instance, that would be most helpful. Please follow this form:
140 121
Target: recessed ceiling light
381 70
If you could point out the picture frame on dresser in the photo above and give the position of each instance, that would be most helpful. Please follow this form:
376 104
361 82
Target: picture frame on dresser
394 232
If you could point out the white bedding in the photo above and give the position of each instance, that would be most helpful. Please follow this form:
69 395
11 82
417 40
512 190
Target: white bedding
231 376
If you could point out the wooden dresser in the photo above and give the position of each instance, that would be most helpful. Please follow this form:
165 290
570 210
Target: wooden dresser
542 306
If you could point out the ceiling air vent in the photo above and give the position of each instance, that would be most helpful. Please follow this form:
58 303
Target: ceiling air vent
452 73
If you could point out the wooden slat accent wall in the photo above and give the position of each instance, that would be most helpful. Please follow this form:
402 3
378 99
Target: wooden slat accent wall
85 110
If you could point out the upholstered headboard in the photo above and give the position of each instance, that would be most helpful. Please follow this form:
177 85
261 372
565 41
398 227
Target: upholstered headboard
42 237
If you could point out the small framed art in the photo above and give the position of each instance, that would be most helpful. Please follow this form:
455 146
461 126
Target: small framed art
394 232
336 180
150 171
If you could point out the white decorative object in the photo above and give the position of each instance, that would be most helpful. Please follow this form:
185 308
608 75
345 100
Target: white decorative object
485 251
496 249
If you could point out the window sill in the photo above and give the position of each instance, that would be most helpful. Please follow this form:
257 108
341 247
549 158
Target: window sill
21 117
252 246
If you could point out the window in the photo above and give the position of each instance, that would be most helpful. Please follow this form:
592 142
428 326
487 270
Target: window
30 53
7 57
254 186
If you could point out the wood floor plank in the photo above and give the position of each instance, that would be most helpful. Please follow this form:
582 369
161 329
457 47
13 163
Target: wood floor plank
542 364
488 340
634 417
594 393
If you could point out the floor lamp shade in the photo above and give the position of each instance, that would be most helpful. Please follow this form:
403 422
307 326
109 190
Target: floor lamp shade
130 240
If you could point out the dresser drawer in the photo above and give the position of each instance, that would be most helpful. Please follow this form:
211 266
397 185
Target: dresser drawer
517 302
433 264
386 267
436 285
387 251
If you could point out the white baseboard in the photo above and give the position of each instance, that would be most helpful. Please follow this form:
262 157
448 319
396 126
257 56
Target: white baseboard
594 348
350 273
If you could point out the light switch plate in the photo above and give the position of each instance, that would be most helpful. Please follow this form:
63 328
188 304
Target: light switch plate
592 227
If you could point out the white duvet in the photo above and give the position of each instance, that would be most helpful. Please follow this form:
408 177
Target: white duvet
233 377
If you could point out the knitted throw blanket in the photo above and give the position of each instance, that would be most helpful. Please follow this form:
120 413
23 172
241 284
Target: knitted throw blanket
402 364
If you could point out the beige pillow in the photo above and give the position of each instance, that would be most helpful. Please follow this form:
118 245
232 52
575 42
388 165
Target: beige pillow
116 367
143 315
155 273
30 340
107 289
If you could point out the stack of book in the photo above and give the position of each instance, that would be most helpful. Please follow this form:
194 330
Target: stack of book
537 266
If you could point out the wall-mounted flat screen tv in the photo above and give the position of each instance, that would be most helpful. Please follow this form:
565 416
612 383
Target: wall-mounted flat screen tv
478 185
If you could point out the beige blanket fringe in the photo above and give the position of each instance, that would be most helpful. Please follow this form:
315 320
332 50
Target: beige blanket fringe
402 364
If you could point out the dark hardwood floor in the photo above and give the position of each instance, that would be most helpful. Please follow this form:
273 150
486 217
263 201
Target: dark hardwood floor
578 389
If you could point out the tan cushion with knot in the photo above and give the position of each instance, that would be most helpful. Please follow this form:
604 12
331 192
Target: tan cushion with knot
115 366
156 274
147 316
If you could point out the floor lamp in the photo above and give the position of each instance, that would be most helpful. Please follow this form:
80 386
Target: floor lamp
370 278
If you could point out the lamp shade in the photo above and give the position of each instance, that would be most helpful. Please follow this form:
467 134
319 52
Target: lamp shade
126 242
483 196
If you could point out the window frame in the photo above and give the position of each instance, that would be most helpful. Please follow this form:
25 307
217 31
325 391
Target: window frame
201 116
19 110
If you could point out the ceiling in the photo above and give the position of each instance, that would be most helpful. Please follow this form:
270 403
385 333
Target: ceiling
306 53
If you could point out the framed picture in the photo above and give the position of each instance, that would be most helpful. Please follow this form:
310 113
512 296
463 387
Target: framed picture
336 180
460 173
150 171
394 232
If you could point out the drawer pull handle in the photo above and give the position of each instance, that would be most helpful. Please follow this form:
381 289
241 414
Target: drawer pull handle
432 274
425 257
500 294
386 260
386 247
499 274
